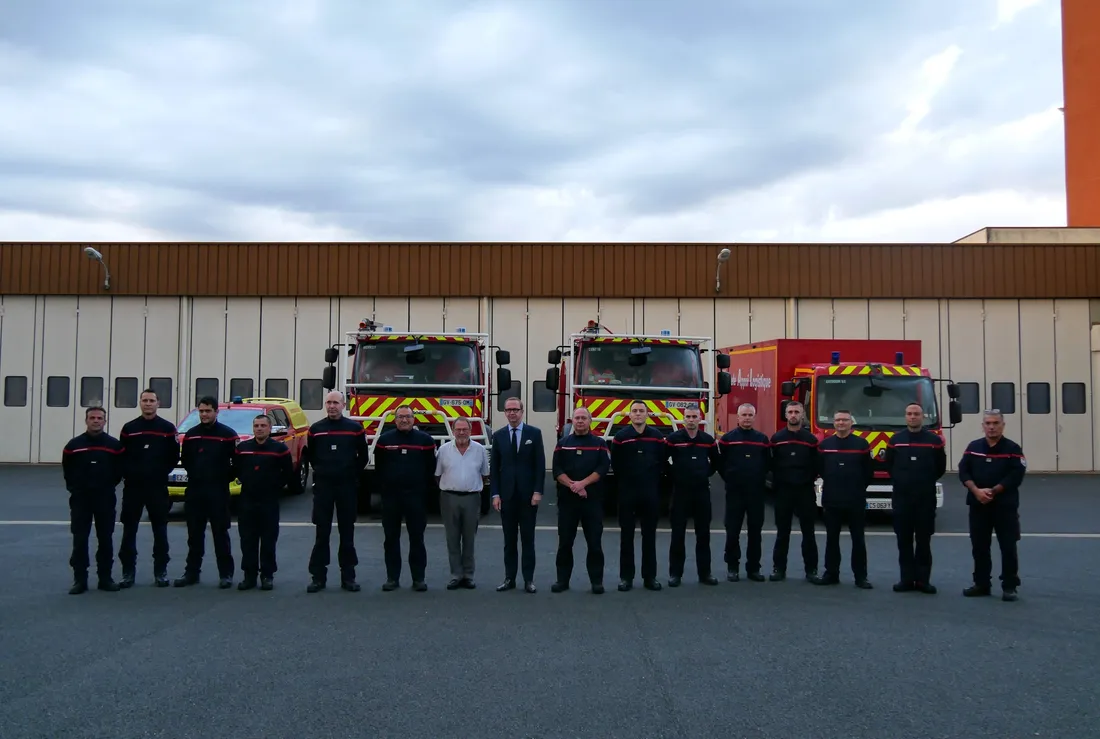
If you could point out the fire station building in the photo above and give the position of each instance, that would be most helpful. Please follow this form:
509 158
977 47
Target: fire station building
1012 316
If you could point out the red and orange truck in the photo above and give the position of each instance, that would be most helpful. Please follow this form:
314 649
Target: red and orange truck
442 376
873 378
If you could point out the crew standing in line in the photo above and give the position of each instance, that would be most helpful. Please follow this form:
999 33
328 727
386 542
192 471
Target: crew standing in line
992 469
337 450
265 468
638 456
745 455
915 459
693 455
517 476
207 454
794 469
846 470
462 471
151 454
580 464
404 467
92 466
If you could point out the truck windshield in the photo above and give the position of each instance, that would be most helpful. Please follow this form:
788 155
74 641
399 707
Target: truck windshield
876 403
665 367
448 363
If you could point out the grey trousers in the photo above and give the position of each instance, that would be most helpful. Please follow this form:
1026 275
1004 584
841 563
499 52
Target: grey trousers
460 515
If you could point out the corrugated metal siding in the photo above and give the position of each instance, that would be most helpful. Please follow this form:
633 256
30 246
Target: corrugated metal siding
558 270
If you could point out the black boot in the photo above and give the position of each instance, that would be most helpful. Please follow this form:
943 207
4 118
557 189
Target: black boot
316 585
161 579
976 591
80 585
128 577
266 583
248 583
778 575
107 583
186 581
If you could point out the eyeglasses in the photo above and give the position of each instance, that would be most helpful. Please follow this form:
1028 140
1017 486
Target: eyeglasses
512 410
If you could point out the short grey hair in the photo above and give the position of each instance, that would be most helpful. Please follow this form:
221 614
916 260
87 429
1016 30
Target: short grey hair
462 419
993 413
743 406
582 408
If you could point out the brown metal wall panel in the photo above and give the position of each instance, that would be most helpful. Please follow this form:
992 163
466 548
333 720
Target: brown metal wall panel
558 270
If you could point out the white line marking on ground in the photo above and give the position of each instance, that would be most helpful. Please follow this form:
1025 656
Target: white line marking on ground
607 530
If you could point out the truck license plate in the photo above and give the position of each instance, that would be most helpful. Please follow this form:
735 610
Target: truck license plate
178 476
879 505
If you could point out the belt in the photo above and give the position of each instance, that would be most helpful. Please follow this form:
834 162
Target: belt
462 492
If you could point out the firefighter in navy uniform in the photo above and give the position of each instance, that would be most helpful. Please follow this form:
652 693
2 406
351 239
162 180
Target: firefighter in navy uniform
745 458
693 458
846 470
580 463
794 469
208 451
92 465
915 459
404 463
638 457
992 469
265 468
151 454
337 450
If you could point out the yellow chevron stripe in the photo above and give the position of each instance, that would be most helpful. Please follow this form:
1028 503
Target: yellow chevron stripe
833 368
888 371
848 370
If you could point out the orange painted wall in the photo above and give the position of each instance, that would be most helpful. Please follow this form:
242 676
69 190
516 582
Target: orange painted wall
1081 90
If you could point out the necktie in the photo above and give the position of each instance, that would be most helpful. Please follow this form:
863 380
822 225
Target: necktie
515 440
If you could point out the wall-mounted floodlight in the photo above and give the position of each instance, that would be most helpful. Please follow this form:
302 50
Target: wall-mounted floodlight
723 256
95 256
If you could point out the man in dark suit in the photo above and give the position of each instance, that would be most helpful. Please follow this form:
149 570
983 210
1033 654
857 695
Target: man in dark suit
517 472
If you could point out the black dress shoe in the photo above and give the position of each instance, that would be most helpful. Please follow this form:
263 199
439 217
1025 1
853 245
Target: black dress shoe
467 583
452 584
651 584
506 585
708 579
825 580
811 574
79 586
161 580
1009 595
755 576
247 583
674 581
976 591
127 580
315 586
863 584
186 581
266 583
109 585
778 576
530 587
926 587
225 583
559 587
732 576
625 585
420 586
350 585
390 585
597 588
904 586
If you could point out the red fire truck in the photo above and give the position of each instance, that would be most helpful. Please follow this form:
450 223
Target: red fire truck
441 376
604 372
873 378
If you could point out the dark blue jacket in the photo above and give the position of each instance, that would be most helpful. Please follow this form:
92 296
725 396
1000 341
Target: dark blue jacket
639 459
915 461
846 470
265 470
1003 464
578 457
692 461
794 458
337 451
745 459
404 461
151 450
92 465
516 476
208 456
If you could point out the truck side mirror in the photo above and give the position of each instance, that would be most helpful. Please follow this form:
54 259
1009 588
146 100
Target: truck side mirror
331 355
328 378
504 379
503 357
725 383
955 412
553 377
952 391
553 356
787 389
723 361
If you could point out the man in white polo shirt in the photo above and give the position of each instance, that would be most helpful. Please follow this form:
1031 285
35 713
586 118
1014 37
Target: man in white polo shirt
462 471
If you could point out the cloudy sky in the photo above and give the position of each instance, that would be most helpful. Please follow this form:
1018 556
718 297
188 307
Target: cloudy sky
528 120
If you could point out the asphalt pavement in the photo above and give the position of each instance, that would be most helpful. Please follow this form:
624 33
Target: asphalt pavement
737 660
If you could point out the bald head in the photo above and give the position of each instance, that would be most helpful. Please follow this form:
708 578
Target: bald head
334 404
